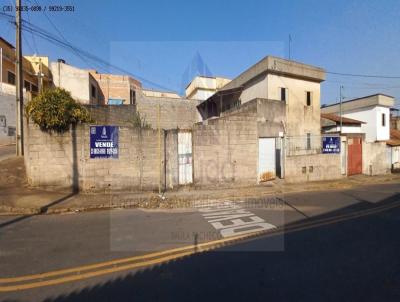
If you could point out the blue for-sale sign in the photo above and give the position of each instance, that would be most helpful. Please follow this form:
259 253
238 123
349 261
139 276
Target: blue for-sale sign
331 144
103 142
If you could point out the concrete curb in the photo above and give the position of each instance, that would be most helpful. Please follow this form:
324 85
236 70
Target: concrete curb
173 200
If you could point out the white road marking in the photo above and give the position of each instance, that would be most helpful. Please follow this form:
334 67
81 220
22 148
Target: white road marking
230 219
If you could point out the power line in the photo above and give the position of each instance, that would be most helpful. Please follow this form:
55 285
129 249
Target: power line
79 52
33 37
363 85
347 74
29 27
60 34
363 75
27 43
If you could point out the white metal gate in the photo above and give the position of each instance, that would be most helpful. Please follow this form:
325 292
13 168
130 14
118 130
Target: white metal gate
266 159
343 157
185 157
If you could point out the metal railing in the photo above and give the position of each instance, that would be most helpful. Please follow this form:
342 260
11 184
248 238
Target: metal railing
303 145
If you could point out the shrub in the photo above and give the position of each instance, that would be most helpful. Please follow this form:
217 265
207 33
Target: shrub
139 121
55 110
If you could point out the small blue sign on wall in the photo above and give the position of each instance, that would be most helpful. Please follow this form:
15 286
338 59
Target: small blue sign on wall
331 144
104 142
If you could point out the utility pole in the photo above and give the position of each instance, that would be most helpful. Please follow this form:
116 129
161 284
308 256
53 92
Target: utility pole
40 75
1 69
159 148
341 112
19 82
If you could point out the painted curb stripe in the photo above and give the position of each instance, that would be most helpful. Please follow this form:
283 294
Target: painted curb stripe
176 253
119 261
90 274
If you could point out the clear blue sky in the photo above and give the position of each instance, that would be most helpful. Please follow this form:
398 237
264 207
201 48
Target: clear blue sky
157 40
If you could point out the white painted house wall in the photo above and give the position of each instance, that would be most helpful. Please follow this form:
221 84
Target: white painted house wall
75 80
345 129
382 132
201 88
7 112
395 158
372 116
368 109
201 94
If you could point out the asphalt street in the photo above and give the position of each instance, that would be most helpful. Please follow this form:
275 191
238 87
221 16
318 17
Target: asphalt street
354 259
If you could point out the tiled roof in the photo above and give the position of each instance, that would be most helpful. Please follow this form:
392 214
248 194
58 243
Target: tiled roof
336 118
394 138
394 134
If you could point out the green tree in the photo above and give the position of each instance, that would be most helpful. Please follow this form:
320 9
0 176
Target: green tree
55 110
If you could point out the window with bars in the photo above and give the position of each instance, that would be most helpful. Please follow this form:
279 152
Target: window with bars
11 78
27 85
132 97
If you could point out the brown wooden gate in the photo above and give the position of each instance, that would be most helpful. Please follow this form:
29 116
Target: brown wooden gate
354 156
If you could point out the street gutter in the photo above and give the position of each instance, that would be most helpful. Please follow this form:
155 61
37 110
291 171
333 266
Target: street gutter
12 284
173 202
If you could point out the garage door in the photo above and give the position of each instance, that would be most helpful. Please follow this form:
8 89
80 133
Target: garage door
266 159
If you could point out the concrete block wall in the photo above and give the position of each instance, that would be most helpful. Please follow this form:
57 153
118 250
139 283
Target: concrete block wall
312 167
225 150
271 117
62 160
137 167
51 160
247 107
7 112
175 113
376 158
121 115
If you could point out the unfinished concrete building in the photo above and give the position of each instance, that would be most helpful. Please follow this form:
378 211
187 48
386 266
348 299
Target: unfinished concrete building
273 113
116 89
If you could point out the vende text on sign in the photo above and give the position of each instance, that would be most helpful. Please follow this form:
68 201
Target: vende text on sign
104 141
331 144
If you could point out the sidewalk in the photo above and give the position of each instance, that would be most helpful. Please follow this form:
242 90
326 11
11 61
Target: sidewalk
7 151
16 197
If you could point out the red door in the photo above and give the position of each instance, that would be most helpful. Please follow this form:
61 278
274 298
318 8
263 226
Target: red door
354 156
